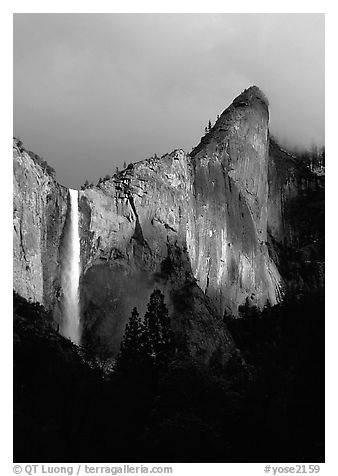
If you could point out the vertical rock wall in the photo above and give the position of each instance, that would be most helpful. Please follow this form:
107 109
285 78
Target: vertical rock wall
231 188
39 213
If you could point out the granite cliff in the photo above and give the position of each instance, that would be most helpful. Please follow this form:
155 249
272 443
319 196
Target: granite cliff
208 228
39 217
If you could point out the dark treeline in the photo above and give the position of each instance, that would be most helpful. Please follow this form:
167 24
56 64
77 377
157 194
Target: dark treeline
313 157
158 405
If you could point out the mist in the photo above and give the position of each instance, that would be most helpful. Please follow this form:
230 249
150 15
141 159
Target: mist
92 91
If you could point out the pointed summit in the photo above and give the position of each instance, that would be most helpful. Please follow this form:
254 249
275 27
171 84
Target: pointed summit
239 141
249 96
249 110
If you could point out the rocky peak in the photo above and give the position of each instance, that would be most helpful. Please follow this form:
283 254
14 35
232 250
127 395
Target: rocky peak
250 97
249 106
193 225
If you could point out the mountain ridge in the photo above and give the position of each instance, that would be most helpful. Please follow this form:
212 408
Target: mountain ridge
215 216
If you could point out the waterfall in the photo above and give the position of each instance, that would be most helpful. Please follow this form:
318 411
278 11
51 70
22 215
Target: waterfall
70 326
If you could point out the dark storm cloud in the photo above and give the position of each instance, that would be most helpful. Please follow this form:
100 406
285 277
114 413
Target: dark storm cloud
92 91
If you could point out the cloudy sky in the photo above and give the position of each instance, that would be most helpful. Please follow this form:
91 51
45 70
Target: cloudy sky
94 90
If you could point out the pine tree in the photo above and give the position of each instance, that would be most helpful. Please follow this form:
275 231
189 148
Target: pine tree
322 156
209 125
157 337
19 143
132 344
124 164
147 346
85 185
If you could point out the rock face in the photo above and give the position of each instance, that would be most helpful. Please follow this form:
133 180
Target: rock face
192 225
200 227
230 255
134 233
296 221
39 215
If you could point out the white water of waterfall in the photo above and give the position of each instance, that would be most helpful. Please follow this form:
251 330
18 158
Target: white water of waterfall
70 326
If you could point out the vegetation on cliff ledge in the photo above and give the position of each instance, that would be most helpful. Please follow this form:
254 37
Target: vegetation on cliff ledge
35 157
